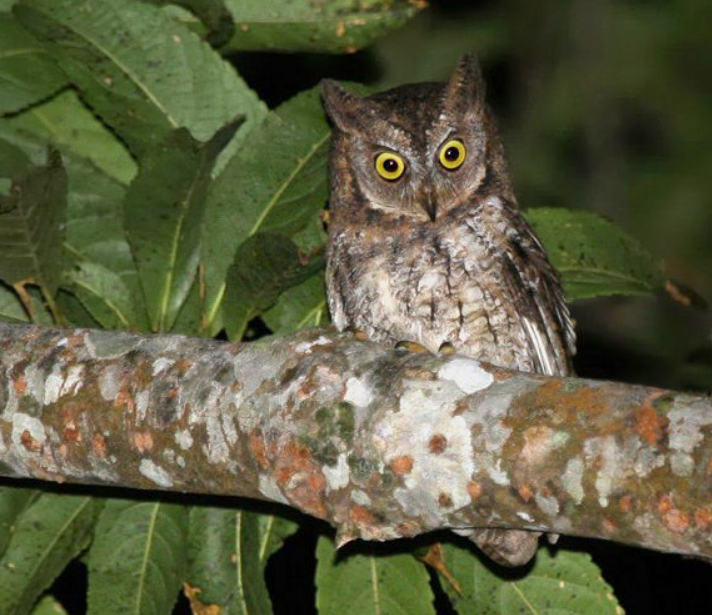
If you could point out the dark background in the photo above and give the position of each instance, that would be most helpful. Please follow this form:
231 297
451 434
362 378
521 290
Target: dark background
604 105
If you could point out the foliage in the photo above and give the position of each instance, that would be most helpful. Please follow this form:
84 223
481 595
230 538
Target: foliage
144 186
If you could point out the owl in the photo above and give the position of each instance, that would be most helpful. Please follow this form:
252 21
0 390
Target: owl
427 244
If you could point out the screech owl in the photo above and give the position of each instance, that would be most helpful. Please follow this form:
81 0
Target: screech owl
427 244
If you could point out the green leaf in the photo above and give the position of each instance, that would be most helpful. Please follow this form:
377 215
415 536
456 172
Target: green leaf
144 73
594 256
27 73
564 583
370 584
265 265
13 501
104 294
337 26
276 184
11 309
273 531
163 213
212 13
137 561
31 227
48 535
224 561
49 606
67 124
299 307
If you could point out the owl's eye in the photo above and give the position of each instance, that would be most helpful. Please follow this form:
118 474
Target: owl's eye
389 166
452 154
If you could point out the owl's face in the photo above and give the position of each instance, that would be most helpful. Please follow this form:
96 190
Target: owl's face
418 151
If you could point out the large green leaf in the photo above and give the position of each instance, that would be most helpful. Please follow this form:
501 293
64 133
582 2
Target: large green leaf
564 583
224 564
48 606
593 255
27 73
49 534
299 307
13 501
11 309
336 26
265 265
67 124
137 561
212 13
276 184
144 73
163 214
370 584
31 225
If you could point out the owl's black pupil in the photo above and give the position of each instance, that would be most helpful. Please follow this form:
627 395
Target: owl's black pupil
452 154
390 165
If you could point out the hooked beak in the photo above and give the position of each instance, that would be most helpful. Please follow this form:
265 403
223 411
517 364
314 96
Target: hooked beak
431 208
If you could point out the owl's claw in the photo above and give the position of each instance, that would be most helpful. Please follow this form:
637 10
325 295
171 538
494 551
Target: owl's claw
407 346
446 349
359 335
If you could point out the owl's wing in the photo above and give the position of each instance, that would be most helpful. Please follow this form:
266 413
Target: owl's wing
544 313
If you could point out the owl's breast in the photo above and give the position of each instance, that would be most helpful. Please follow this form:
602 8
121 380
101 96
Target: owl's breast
429 285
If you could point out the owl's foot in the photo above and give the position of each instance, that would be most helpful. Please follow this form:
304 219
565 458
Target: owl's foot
407 346
358 334
434 558
446 349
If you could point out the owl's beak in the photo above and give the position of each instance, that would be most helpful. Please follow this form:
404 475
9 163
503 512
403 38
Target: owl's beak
431 208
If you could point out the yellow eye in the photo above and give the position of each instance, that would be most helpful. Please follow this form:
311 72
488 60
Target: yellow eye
389 166
452 154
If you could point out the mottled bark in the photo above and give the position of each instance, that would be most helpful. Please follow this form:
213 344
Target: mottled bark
380 443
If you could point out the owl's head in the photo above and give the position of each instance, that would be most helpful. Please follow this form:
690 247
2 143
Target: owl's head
417 151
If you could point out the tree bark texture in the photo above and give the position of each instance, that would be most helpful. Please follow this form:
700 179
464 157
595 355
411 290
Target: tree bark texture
380 443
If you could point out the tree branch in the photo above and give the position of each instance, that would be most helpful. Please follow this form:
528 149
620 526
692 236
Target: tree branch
380 443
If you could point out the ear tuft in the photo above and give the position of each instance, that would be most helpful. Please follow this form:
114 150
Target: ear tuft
466 89
341 106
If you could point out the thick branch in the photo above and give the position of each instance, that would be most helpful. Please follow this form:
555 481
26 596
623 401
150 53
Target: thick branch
380 443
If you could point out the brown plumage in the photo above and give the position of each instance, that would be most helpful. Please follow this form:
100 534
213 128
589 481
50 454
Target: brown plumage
426 243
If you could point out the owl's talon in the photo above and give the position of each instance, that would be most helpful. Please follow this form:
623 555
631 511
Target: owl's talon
446 349
359 335
407 346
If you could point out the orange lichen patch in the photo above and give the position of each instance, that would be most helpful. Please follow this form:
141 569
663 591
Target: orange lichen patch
609 525
525 492
625 503
70 433
709 466
99 445
402 465
437 444
124 398
676 520
567 405
361 516
196 606
665 504
143 441
703 518
649 425
29 442
474 489
259 450
444 500
301 478
537 444
20 384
